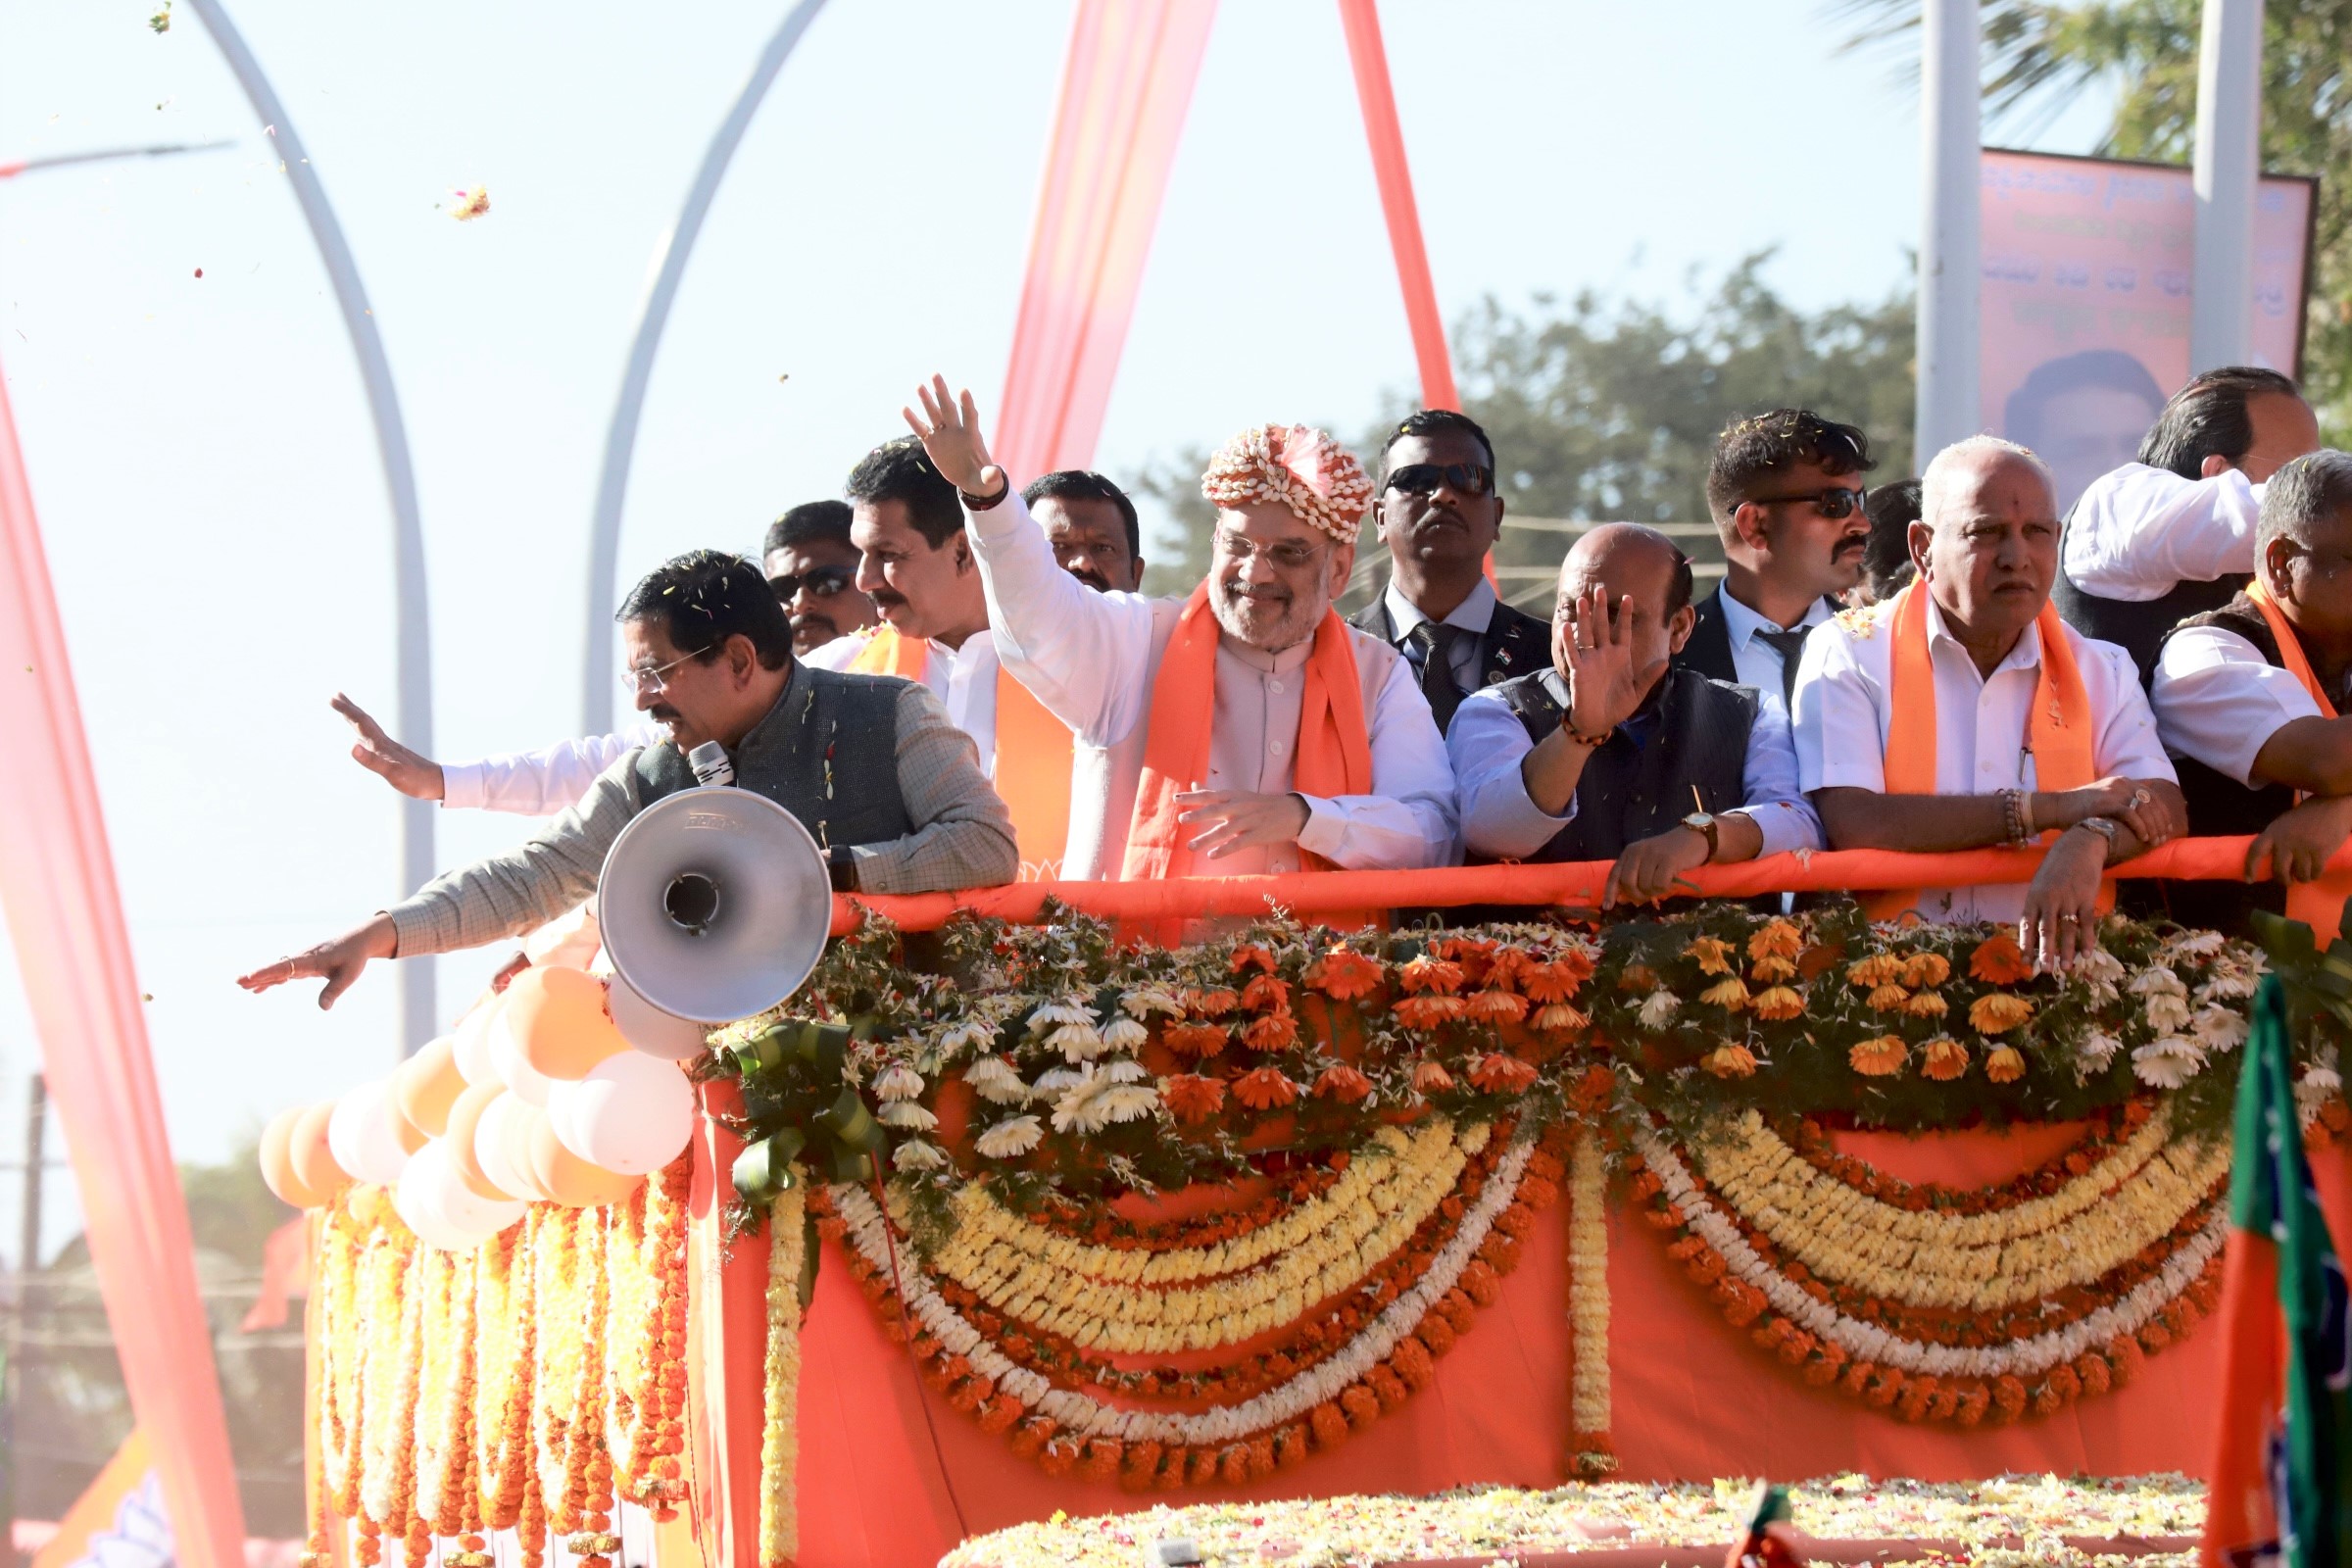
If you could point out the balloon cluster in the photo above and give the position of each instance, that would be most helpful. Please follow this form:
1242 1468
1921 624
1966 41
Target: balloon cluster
539 1097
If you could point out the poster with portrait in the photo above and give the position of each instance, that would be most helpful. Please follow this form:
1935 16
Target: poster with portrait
2088 272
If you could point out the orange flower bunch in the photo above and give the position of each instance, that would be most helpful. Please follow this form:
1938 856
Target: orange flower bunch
1880 1057
1191 1098
1343 974
1264 1089
1343 1083
1943 1059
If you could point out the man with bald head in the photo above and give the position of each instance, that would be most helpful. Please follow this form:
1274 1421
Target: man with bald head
1963 713
2249 700
1613 753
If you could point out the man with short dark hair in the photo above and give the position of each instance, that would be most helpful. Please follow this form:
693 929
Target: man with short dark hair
869 765
2249 700
2173 535
1092 526
813 566
1612 752
1440 512
1784 490
1887 567
1962 714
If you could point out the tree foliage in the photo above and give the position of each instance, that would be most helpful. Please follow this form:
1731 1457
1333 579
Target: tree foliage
2040 53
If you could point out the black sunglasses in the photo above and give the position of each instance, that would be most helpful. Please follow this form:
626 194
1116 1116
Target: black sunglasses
823 583
1837 501
1423 478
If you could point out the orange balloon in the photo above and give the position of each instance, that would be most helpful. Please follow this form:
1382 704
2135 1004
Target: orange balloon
570 1180
411 1137
426 1085
464 1117
311 1162
277 1163
558 1022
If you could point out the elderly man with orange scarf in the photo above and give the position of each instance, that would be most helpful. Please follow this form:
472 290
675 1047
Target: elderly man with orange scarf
1245 728
1963 713
2250 698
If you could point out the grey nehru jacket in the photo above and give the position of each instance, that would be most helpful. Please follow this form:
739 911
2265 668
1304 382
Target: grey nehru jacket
962 836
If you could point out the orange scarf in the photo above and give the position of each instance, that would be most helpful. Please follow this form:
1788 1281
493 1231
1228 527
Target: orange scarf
1335 747
2058 725
1033 751
2319 905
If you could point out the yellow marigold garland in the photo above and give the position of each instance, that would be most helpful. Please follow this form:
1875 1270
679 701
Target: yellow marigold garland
779 1441
1589 1307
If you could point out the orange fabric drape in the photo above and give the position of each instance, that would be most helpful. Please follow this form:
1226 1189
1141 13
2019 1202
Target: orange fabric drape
1033 751
1334 747
726 1346
2058 725
2319 905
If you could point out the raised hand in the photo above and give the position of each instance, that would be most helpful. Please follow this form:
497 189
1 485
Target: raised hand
338 962
1603 686
949 430
413 773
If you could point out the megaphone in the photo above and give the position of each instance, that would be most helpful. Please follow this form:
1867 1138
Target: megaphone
715 903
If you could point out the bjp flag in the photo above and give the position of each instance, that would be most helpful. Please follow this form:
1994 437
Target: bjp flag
2281 1489
120 1522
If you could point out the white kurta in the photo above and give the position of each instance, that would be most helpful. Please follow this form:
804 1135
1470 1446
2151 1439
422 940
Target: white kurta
963 678
1092 658
2139 532
1843 712
2219 700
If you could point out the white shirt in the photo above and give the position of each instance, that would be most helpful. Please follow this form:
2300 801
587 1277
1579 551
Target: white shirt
1843 712
1757 661
2139 532
2217 700
1472 617
554 778
1501 821
1092 658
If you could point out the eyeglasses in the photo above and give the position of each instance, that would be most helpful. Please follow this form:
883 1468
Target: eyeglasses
1287 557
1423 478
1837 501
647 678
823 582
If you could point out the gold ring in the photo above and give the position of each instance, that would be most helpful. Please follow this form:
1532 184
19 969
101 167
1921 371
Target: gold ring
2141 797
2069 920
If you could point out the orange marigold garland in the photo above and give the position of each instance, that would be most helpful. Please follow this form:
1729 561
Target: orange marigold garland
1594 1453
779 1448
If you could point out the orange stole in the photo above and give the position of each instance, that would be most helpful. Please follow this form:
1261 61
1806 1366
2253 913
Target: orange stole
2319 905
1033 751
2058 725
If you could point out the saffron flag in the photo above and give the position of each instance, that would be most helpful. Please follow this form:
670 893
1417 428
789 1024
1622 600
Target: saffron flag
120 1522
2279 1490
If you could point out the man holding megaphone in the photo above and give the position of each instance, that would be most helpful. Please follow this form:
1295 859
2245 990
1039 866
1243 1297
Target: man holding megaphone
868 764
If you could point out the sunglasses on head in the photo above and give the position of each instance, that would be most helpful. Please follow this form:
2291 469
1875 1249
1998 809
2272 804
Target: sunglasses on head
1423 478
1837 501
823 583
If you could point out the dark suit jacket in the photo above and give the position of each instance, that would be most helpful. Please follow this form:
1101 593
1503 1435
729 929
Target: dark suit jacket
1709 650
1515 643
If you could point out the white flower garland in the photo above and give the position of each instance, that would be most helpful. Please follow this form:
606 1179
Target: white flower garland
1979 1263
779 1441
1869 1343
1089 1417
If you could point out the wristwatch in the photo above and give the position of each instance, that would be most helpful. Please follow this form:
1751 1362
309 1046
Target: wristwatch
2106 827
1703 823
840 868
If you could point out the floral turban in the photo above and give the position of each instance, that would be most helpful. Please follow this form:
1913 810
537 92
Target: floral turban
1296 466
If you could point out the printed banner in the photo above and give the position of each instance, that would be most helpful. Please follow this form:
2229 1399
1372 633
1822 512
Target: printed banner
2087 269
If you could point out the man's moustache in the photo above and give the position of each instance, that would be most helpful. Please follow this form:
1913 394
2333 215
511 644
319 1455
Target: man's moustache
812 622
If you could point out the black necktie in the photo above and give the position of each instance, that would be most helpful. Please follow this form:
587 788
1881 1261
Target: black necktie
1434 640
1790 645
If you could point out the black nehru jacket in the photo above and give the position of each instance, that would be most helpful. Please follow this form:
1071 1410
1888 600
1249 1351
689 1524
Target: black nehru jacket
1515 643
2219 805
1697 734
2140 627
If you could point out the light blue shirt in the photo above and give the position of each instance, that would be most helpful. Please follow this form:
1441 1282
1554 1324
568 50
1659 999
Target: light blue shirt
1757 661
1500 821
1471 618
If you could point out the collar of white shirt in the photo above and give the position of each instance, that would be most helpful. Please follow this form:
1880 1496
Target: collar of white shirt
1742 624
1473 614
2027 654
1292 658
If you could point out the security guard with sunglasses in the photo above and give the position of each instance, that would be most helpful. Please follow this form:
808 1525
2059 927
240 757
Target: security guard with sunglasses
1439 513
813 566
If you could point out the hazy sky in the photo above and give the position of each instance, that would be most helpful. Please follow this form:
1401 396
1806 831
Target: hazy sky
208 481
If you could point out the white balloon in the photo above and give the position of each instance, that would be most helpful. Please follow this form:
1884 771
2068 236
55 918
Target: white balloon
632 1114
469 1047
413 1200
446 1193
362 1136
493 1141
649 1028
524 1081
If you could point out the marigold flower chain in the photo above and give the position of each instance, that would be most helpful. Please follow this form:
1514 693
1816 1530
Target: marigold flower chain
779 1444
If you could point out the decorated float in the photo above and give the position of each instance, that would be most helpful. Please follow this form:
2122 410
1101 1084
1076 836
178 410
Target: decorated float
1005 1220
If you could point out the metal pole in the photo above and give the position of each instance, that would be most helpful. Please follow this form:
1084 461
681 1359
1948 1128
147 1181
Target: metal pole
28 1258
1948 240
2227 167
412 640
28 1219
671 254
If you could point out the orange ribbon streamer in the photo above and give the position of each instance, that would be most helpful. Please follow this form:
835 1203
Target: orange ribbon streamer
2058 725
1033 751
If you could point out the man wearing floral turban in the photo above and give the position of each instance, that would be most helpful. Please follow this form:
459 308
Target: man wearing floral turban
1243 729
